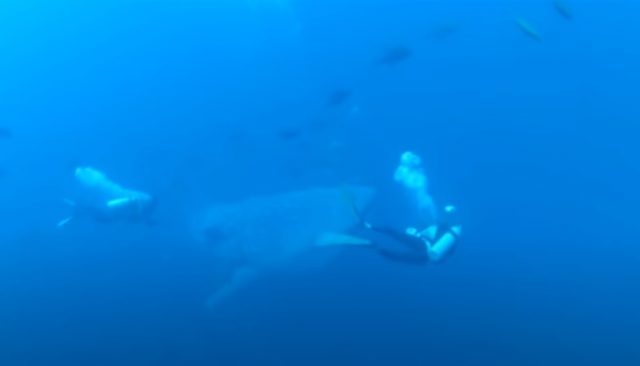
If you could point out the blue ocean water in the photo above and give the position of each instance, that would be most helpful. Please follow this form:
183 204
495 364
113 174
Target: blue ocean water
207 101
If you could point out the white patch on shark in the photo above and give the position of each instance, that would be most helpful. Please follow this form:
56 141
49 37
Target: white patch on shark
263 233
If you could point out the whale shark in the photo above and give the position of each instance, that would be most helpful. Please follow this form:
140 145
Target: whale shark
263 233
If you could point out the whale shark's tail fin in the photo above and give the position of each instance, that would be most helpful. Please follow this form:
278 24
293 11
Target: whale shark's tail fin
239 279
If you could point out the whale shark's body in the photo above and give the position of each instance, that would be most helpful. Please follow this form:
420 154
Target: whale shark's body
263 233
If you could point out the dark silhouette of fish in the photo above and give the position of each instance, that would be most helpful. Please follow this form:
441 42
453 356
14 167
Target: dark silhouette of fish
290 133
338 97
396 55
5 133
442 32
528 29
563 9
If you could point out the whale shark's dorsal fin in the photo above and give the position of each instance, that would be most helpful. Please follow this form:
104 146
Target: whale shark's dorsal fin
350 200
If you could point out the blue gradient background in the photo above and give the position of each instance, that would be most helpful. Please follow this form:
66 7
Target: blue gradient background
536 142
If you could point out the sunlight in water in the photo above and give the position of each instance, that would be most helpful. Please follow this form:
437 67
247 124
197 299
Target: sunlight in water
284 10
248 13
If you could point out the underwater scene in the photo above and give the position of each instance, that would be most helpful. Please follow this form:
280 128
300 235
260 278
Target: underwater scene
319 182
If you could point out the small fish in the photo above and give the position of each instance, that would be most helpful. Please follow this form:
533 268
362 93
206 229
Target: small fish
528 30
5 133
563 9
290 133
396 55
338 97
442 32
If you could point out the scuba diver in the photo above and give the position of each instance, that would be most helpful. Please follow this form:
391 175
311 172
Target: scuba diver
431 244
417 246
105 201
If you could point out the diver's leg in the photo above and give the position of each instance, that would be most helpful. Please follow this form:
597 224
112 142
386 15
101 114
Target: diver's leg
414 243
403 257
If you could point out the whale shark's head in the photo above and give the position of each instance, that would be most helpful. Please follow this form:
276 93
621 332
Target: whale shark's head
257 234
270 228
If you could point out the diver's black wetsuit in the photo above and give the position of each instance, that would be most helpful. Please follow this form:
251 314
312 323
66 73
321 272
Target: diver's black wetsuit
417 253
404 257
417 246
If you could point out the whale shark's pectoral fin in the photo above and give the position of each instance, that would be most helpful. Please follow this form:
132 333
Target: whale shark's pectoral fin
327 239
240 278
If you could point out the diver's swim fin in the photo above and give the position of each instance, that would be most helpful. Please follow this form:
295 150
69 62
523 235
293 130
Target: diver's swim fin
327 239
